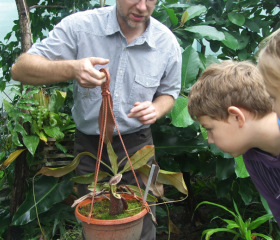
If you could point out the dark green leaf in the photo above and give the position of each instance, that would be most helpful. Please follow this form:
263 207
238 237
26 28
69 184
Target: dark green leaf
236 18
48 191
31 143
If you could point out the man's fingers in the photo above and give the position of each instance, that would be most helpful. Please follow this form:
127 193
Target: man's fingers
99 61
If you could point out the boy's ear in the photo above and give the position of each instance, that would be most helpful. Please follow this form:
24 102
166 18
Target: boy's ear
237 114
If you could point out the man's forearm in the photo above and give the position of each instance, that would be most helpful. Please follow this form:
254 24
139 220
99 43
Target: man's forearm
163 104
36 70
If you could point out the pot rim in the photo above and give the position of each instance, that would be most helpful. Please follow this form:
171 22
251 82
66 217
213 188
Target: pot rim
114 221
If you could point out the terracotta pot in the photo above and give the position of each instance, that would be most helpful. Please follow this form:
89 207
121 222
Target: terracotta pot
129 228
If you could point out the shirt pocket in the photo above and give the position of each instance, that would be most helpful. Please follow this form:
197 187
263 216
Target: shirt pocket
88 93
143 88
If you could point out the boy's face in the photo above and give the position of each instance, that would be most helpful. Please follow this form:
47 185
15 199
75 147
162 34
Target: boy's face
274 92
227 136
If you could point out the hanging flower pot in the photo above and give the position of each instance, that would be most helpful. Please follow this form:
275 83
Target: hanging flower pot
128 228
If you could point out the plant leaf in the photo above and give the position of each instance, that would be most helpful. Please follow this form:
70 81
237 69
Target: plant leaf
217 205
112 157
48 191
262 235
240 169
89 178
259 221
207 32
61 171
140 158
31 143
179 113
174 179
13 156
236 18
196 10
210 232
150 197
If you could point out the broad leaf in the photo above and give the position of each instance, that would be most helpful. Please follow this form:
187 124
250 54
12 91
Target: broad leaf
140 158
230 41
31 143
172 16
236 18
240 168
207 32
190 66
48 191
54 132
179 114
56 101
195 11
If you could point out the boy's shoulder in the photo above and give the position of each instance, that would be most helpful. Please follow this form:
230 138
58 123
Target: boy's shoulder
257 156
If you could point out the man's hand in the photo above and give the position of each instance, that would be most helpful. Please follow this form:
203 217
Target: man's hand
85 73
145 112
37 70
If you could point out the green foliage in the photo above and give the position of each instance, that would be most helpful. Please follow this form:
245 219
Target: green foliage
240 228
47 192
35 107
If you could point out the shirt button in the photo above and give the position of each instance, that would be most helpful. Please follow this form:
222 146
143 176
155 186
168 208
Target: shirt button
116 95
147 84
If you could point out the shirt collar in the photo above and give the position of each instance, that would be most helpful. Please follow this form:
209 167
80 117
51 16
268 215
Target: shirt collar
113 27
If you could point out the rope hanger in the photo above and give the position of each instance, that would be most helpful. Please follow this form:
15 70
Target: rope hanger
107 123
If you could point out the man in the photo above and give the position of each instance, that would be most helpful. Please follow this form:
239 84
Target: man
144 61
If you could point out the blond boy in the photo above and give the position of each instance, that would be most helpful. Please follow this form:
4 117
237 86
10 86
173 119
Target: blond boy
231 103
269 65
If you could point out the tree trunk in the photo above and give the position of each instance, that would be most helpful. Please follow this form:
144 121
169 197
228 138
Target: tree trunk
21 167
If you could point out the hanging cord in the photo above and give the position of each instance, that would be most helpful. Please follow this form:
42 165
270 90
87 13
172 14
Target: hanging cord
107 123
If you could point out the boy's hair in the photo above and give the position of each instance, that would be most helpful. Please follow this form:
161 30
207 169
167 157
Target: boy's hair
228 84
269 58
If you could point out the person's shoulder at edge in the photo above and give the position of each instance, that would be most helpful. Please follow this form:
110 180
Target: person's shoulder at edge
254 152
162 33
95 11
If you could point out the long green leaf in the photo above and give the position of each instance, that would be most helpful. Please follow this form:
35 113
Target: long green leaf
61 171
262 235
217 205
48 191
190 66
210 232
140 158
13 156
174 179
113 158
89 178
259 221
